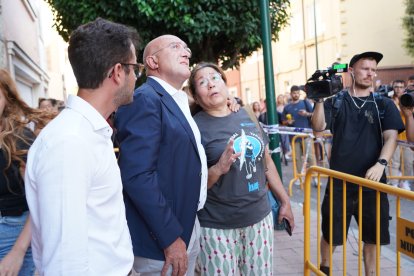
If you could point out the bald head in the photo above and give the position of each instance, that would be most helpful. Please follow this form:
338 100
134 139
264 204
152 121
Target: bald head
156 44
167 57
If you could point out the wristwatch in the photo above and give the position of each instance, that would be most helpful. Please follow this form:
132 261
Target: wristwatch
383 162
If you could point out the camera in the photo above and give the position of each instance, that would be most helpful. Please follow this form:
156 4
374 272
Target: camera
325 83
384 90
407 99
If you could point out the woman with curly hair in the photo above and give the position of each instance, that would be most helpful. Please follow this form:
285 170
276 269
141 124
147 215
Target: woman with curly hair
15 140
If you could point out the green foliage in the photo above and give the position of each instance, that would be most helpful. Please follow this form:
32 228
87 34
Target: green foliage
226 30
408 23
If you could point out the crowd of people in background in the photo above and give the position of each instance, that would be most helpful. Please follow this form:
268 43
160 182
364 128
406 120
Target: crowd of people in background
51 105
189 187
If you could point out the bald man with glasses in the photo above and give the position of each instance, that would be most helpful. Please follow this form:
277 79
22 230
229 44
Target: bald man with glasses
163 164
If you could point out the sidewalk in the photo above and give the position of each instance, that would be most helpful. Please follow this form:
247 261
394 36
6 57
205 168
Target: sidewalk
288 251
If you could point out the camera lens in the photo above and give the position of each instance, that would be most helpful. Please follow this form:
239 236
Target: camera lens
407 100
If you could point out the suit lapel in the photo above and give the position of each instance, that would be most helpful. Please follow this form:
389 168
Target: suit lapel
171 105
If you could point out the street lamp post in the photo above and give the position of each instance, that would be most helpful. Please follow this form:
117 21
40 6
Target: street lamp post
270 88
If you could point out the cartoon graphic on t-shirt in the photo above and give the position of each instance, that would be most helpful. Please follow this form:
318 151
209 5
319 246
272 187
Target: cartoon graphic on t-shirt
250 148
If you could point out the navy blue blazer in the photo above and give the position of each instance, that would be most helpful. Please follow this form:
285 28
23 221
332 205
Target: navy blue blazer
160 169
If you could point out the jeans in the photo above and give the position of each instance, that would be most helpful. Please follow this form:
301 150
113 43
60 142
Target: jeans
10 229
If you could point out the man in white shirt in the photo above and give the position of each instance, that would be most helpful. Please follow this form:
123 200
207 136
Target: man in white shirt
73 183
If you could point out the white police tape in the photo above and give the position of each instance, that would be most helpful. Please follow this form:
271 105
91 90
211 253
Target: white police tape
276 150
276 129
405 143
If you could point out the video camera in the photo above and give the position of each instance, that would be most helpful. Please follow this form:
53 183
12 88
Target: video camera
325 83
407 99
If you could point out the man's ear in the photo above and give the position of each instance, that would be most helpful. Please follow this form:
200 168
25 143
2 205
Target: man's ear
152 62
351 72
116 73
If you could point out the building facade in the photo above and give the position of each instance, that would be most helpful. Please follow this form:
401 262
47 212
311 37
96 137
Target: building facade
343 28
33 52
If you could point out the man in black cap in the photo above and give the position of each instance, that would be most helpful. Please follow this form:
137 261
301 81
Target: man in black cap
364 139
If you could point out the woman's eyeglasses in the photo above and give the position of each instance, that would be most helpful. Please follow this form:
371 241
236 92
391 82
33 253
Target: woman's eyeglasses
213 78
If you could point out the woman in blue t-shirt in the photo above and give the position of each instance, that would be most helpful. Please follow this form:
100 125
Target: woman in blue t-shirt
15 140
236 222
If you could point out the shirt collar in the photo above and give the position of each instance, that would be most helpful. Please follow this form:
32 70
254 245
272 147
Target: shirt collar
168 87
81 106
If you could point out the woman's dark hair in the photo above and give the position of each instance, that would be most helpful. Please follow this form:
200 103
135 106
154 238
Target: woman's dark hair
202 65
97 46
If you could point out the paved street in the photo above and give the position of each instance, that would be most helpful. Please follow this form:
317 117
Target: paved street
289 250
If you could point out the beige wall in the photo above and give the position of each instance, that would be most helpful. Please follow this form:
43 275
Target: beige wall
252 79
33 52
20 25
375 25
62 80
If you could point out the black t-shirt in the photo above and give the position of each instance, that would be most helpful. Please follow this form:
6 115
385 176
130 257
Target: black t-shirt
12 195
357 133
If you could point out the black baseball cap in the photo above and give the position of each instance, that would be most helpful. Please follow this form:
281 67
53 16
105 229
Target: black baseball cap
375 55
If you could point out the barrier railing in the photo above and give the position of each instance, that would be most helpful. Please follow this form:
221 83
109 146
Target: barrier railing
308 147
299 173
399 172
378 187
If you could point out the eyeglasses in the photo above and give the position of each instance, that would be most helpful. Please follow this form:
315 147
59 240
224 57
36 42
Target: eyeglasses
175 46
400 87
138 68
213 78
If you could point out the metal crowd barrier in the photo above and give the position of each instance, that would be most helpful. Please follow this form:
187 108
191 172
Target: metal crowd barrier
405 233
401 145
308 147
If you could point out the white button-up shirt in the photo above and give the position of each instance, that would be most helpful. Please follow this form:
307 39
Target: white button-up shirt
74 192
181 98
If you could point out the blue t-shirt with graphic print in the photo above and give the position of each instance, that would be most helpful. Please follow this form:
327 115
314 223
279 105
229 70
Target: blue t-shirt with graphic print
239 198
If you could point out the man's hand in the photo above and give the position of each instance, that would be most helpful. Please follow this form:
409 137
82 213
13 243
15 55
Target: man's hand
232 104
375 172
303 112
176 255
407 111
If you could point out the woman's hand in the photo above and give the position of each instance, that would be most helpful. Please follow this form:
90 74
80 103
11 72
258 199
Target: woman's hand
10 265
285 211
227 158
223 165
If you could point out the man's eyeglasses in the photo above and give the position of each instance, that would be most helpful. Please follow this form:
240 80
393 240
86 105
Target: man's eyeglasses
175 46
138 68
400 87
213 78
